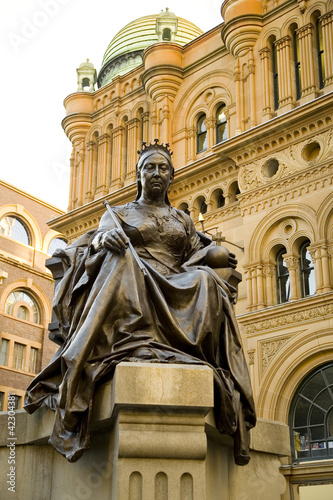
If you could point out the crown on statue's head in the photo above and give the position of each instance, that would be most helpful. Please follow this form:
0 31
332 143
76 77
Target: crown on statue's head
155 147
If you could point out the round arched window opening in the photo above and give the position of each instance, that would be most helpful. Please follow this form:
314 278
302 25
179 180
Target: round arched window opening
166 36
311 416
55 244
184 208
14 228
201 134
270 168
311 151
22 305
203 207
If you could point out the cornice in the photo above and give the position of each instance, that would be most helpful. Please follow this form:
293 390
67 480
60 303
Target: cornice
25 267
30 197
288 314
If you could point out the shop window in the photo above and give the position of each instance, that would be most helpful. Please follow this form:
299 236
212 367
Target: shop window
28 311
221 125
308 285
282 278
311 417
13 227
55 244
201 134
19 356
4 352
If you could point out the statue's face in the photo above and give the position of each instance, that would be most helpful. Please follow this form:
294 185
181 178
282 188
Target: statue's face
155 176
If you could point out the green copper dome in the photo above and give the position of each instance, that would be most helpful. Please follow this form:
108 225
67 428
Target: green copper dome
126 48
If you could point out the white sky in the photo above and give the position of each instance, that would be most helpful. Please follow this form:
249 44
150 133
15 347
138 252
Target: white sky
43 42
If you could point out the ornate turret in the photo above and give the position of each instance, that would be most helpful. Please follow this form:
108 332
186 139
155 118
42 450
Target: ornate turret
242 25
86 76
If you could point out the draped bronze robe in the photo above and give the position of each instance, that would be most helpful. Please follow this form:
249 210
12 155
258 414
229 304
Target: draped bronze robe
109 312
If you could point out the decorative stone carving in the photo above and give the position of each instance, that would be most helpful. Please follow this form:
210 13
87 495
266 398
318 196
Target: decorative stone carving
269 350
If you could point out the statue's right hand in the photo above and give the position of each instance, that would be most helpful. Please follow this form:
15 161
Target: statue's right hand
115 240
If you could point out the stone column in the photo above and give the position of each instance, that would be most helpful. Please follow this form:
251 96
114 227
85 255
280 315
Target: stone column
81 170
249 289
285 83
260 287
166 113
315 256
254 288
103 142
191 134
145 118
88 172
132 155
292 263
154 122
305 35
269 270
159 441
117 182
237 78
265 54
327 27
251 69
210 124
71 181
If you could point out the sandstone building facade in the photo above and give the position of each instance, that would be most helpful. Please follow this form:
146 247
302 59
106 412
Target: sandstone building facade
248 110
26 289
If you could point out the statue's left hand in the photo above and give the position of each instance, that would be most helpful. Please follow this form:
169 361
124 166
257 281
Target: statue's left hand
220 257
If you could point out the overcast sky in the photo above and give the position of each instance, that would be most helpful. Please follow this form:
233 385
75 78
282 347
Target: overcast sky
43 42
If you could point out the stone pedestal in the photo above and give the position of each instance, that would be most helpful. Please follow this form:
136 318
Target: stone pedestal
153 437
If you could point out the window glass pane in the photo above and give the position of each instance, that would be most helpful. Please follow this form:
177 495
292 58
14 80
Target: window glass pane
2 400
221 125
201 134
4 352
17 402
33 360
56 243
311 418
22 311
317 415
282 275
301 412
314 386
307 271
19 355
14 228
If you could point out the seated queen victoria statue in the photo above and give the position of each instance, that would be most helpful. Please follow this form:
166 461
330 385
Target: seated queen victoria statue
139 289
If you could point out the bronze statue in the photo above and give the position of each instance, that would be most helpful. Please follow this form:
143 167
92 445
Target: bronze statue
155 302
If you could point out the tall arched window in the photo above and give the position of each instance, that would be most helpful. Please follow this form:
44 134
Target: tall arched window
320 53
311 416
21 304
221 125
201 134
297 61
56 243
274 71
282 278
308 285
13 227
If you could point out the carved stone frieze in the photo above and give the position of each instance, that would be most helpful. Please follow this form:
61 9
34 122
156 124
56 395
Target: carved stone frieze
286 162
251 357
278 321
269 349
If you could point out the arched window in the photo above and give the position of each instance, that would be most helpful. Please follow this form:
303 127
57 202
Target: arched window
56 243
320 53
311 416
13 227
233 191
274 72
184 207
203 207
282 278
221 125
21 304
297 61
201 134
166 35
220 201
308 285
